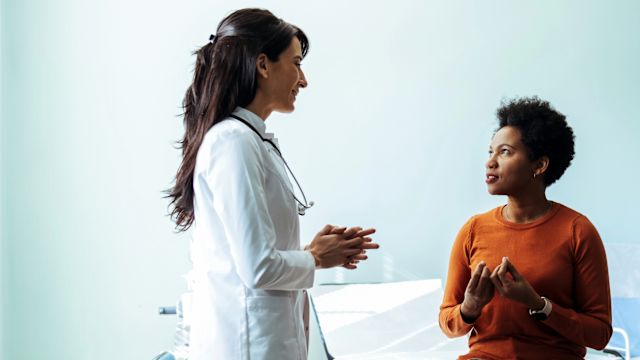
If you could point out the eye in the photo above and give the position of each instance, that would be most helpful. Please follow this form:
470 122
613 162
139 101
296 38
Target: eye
490 152
505 151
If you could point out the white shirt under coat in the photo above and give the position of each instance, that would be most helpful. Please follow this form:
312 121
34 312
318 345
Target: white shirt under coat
248 268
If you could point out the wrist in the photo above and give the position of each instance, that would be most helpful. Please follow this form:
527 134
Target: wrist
316 260
536 303
469 313
544 312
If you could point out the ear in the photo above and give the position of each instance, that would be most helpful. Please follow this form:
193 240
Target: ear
541 166
262 66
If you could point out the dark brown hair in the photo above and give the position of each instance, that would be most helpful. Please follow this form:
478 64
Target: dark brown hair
224 78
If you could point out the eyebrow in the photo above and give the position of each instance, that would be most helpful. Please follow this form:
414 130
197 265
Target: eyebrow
297 57
504 144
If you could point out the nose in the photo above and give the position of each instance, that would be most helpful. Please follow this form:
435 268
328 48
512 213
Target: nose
491 163
303 80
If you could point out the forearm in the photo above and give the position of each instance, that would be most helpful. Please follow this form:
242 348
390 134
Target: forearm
450 319
281 270
452 322
582 328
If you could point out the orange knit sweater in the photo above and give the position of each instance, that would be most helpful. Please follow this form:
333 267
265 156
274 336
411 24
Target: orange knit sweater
562 257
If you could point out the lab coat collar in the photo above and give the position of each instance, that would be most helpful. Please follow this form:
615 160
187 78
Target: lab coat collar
254 120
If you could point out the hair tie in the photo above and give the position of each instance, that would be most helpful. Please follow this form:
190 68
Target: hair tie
212 38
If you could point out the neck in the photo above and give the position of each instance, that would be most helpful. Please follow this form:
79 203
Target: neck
259 106
524 209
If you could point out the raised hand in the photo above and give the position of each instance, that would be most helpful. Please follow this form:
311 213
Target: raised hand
478 293
511 284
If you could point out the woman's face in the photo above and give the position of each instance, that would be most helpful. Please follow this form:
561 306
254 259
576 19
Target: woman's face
285 78
509 170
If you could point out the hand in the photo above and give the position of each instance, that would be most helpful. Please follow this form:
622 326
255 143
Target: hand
478 293
330 247
355 232
509 283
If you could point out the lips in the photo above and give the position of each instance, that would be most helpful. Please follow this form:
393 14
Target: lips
491 178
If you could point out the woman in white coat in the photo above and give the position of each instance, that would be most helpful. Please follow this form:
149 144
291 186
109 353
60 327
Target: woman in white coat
233 189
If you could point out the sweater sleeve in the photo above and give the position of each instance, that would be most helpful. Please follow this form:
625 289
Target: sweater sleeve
458 276
590 323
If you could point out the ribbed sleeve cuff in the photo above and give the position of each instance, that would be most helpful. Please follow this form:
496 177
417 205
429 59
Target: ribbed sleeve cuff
453 324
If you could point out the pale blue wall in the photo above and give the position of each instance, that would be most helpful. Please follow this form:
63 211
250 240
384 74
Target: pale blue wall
3 252
392 132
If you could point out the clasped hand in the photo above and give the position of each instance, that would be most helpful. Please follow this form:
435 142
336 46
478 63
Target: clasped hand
506 280
341 246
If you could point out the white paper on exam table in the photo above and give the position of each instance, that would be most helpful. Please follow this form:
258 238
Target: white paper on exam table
384 321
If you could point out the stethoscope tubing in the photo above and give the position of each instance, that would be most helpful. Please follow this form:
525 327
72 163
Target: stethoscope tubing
302 206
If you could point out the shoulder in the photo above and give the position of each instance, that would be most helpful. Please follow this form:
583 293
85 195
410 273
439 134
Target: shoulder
583 232
228 139
480 219
475 221
567 212
577 219
485 218
227 132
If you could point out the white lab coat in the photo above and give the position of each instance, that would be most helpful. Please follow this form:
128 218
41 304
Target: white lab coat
248 269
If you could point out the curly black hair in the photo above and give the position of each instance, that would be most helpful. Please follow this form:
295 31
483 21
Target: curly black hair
544 132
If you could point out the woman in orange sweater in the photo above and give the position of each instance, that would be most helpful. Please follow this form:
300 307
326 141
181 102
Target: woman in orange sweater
528 279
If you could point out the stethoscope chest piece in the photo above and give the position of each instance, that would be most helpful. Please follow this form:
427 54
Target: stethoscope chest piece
302 208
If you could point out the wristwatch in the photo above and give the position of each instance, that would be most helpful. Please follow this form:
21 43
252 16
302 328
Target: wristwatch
543 313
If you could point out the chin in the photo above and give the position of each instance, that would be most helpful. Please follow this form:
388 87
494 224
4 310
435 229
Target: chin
286 109
495 191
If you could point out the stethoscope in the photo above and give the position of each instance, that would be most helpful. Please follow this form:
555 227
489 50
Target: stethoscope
302 207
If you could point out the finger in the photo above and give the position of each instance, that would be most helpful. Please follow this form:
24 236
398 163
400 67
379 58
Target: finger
337 230
365 232
495 279
475 277
349 266
512 269
360 257
350 232
502 273
484 279
353 243
326 230
350 252
367 244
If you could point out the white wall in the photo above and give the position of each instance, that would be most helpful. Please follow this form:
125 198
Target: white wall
392 132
